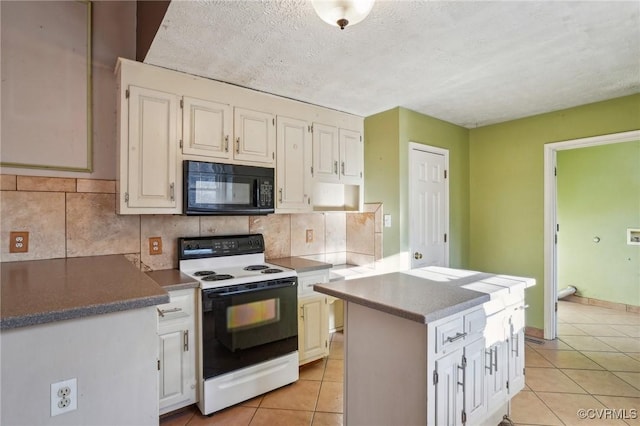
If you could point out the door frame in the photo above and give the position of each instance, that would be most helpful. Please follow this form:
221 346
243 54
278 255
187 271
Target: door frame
550 217
416 146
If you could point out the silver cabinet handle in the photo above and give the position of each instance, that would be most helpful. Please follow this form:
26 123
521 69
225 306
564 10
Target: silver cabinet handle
185 340
226 143
280 192
495 356
458 336
343 168
490 367
335 167
237 145
162 312
514 340
461 367
172 191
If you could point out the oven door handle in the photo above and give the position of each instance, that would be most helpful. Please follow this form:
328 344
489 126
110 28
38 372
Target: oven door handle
214 294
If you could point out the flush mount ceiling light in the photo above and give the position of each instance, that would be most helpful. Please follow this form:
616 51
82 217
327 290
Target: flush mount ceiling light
342 12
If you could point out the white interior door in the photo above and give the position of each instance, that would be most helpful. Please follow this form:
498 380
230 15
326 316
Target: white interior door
428 206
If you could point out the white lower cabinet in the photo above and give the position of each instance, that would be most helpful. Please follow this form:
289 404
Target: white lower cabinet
177 351
313 317
478 367
313 328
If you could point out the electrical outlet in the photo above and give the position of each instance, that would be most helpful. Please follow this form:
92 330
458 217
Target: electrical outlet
155 245
64 396
18 242
309 236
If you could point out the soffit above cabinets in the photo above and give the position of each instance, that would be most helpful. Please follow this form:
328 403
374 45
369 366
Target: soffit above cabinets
471 63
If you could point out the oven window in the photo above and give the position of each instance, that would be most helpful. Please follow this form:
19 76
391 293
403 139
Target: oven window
217 192
251 315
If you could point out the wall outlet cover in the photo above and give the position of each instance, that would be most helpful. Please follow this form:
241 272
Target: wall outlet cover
18 242
155 245
64 396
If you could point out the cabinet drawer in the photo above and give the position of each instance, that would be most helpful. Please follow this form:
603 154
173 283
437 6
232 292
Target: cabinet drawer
308 279
450 335
474 323
180 306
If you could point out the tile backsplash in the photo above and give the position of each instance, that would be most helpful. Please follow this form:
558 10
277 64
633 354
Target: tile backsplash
68 217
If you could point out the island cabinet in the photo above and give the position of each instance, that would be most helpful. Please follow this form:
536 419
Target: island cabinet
177 351
436 347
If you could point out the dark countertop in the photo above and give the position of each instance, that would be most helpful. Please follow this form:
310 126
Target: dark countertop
407 296
42 291
173 279
300 264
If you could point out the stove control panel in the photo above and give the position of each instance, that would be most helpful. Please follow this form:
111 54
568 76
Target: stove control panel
199 247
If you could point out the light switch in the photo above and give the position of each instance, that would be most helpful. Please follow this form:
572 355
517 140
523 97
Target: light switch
387 221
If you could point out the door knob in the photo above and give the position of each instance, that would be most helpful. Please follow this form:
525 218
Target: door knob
417 255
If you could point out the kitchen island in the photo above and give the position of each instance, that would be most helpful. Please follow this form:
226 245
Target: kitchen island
435 346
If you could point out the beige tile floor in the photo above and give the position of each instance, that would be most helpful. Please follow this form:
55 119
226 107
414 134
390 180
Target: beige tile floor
594 364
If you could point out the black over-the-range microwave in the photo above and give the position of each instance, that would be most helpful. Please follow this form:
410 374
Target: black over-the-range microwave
227 189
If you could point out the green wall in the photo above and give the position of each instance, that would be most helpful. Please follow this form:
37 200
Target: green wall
506 178
386 148
599 195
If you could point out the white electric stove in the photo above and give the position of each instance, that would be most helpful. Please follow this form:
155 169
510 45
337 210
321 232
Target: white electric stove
248 318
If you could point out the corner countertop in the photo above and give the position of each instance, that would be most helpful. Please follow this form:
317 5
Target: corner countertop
173 279
43 291
406 296
300 264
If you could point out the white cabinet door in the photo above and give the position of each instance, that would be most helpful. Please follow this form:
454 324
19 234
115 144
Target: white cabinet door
496 375
152 184
206 128
338 155
351 156
474 382
293 171
516 351
255 136
177 351
326 153
171 377
449 391
313 328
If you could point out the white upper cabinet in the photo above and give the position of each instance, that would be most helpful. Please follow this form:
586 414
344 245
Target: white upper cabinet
255 136
219 132
338 155
149 153
293 168
206 128
166 117
326 153
351 156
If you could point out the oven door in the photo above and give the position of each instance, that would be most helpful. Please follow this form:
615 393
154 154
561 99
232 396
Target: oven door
247 324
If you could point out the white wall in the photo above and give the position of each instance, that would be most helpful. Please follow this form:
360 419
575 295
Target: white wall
113 357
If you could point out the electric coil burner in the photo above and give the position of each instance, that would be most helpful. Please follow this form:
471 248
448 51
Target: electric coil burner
249 321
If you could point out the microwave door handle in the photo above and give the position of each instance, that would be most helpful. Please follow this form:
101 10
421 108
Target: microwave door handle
257 193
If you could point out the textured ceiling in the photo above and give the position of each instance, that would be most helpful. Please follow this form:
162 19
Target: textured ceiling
471 63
